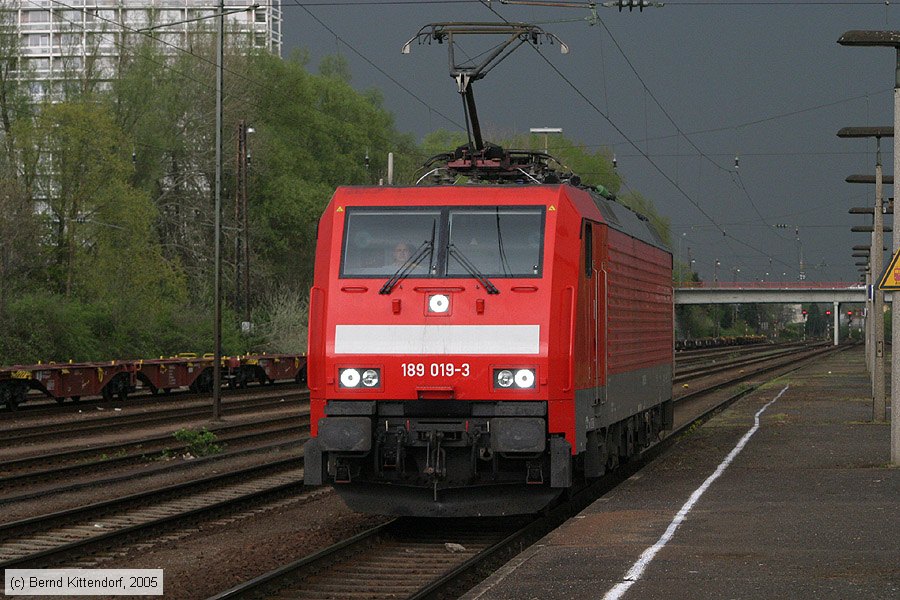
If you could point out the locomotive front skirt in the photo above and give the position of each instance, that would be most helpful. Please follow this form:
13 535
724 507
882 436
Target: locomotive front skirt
476 350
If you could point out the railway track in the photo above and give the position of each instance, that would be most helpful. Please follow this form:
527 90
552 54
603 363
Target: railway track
292 447
72 534
397 559
420 558
728 361
684 358
21 434
78 536
39 405
96 460
707 381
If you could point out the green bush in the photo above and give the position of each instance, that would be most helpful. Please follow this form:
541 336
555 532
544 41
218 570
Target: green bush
49 327
199 443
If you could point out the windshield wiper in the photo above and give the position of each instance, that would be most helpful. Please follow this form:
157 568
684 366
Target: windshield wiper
504 262
466 264
411 263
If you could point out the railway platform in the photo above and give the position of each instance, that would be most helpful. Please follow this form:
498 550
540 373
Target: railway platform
786 494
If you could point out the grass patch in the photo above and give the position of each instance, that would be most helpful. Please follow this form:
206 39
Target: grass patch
199 443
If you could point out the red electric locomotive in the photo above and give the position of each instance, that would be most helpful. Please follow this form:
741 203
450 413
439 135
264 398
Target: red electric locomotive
526 335
478 349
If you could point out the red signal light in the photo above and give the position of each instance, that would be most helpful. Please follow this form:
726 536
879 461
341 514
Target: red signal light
827 312
850 313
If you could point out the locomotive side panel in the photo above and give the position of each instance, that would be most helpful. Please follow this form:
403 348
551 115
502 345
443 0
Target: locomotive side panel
316 334
572 325
639 323
622 354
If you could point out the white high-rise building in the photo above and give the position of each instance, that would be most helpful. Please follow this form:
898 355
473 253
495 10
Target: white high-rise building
62 37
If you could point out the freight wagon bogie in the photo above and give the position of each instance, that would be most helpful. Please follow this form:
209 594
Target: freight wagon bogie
119 387
12 393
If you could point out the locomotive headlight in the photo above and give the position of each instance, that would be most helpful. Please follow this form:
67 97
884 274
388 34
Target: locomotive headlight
371 378
356 378
503 378
349 378
438 303
520 379
524 378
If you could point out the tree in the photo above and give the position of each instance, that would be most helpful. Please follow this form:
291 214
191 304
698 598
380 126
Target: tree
335 66
313 134
13 100
18 237
102 227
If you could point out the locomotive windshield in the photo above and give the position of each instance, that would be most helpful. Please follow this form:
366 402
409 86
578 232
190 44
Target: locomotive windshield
379 241
500 242
495 241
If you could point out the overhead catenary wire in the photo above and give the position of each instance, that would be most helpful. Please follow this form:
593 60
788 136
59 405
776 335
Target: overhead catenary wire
656 167
659 169
380 70
735 177
759 121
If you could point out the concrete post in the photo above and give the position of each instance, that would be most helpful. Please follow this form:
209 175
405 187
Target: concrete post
876 258
895 312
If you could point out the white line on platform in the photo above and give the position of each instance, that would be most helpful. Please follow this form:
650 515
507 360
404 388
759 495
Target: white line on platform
637 569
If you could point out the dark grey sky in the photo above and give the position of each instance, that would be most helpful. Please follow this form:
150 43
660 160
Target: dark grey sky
765 81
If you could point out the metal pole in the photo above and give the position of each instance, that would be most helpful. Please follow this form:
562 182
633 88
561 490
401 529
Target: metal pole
868 323
837 322
871 302
245 224
876 257
895 312
237 220
217 326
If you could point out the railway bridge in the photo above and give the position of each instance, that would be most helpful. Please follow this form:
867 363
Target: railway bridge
774 292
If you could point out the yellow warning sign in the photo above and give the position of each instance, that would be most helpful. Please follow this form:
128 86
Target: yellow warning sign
890 279
340 209
552 208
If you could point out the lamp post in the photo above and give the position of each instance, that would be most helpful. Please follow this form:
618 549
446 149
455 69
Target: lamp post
242 226
876 258
217 266
890 39
546 131
864 278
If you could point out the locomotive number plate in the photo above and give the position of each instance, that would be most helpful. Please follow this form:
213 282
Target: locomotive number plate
435 369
